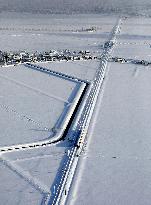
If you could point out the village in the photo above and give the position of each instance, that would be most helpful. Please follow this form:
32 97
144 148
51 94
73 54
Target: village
13 58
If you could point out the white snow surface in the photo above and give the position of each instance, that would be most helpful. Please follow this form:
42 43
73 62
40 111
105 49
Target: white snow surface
115 166
44 32
31 103
85 70
134 40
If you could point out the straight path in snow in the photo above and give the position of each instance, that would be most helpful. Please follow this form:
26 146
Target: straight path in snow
81 124
115 167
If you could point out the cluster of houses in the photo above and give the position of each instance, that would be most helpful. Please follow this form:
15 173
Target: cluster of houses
133 61
91 29
8 58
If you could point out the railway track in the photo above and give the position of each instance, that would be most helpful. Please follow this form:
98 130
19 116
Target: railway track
82 122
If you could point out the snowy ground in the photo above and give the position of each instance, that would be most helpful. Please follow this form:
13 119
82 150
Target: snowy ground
135 38
33 102
45 32
115 167
85 70
27 177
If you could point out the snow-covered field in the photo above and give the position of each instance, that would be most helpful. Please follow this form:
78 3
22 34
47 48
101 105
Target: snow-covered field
45 32
28 177
33 102
85 70
134 40
115 167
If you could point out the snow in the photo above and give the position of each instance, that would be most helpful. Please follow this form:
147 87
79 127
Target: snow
46 98
29 176
42 164
33 102
83 123
118 142
85 70
44 32
115 165
16 191
134 38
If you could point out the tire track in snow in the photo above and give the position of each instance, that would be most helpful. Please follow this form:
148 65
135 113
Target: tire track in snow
24 117
134 43
25 175
58 155
33 89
